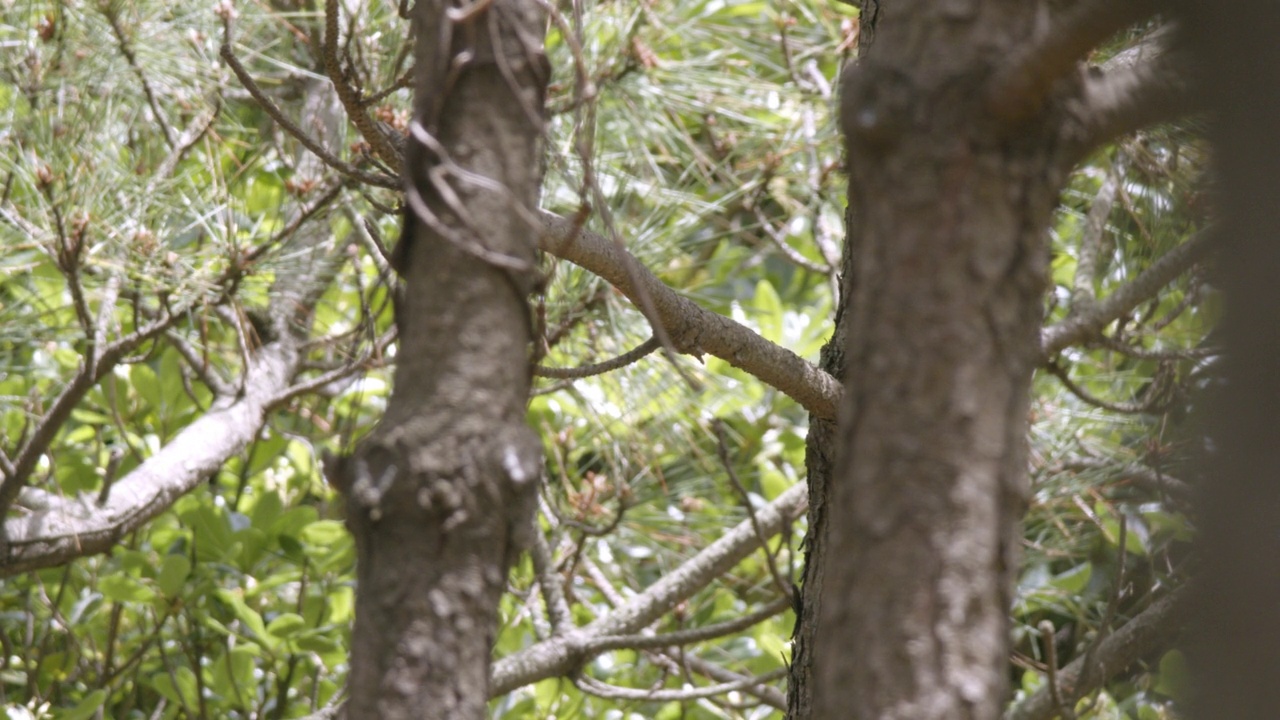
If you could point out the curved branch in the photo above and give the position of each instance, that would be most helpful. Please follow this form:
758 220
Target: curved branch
1022 86
621 361
1152 630
1143 86
694 330
561 655
59 529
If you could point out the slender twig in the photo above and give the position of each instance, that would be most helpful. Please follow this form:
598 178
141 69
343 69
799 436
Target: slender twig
592 686
689 636
551 584
376 179
348 95
1123 299
582 371
110 11
88 376
722 449
200 366
1130 408
1051 662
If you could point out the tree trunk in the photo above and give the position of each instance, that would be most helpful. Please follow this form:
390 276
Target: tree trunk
949 210
439 494
1235 646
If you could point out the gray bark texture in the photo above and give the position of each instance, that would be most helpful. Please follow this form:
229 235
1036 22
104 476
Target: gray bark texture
439 495
1235 644
949 202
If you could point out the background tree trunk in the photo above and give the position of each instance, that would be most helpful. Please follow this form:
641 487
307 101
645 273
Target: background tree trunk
1235 649
948 272
438 495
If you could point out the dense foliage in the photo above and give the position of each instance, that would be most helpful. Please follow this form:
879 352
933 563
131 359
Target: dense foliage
151 212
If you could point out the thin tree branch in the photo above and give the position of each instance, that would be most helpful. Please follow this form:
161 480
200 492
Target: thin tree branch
693 329
621 361
689 636
349 96
613 692
90 373
560 656
111 12
62 529
200 366
1154 629
1085 325
722 449
1140 475
376 179
550 583
57 529
767 694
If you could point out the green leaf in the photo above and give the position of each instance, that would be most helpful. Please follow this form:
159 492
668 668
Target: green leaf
174 570
769 314
125 588
245 614
143 381
266 509
287 625
86 708
1073 580
1175 678
325 533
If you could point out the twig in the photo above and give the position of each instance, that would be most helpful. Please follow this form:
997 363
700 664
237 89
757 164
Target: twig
1085 325
722 449
613 692
550 583
349 96
109 10
1152 630
378 179
200 366
692 328
689 636
582 371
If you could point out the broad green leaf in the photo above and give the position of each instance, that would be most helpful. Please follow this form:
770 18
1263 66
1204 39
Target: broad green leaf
125 588
769 314
174 570
86 708
286 625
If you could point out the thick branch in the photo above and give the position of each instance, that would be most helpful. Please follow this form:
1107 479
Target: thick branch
1145 85
95 368
61 529
1083 325
1151 631
1020 89
563 654
693 329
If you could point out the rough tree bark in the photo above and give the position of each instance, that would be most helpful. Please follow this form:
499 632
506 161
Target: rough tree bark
949 202
440 493
1235 649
